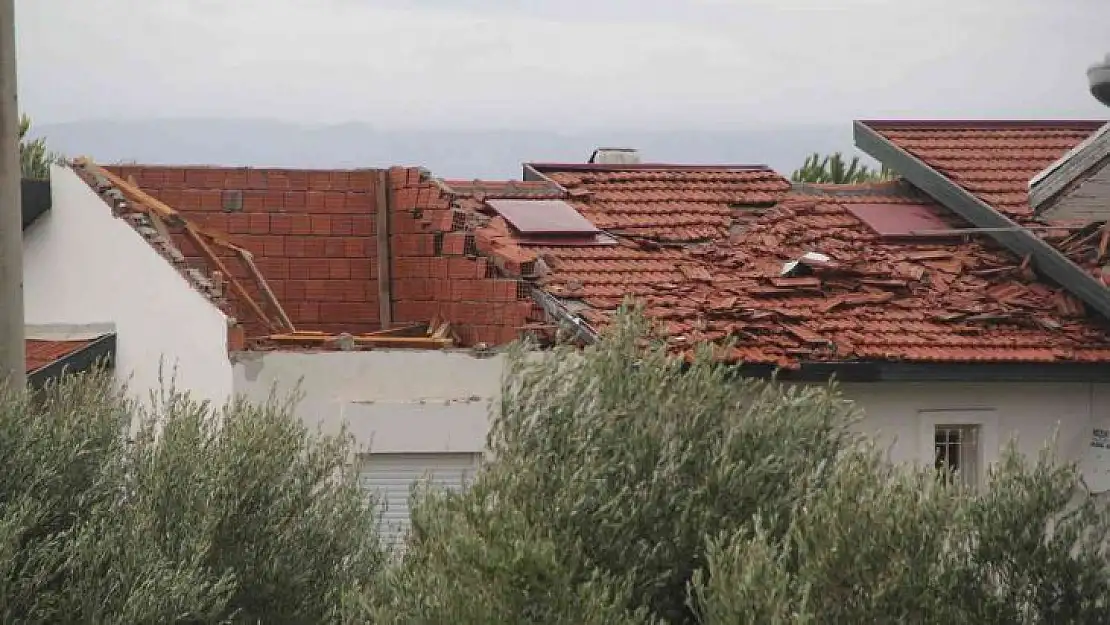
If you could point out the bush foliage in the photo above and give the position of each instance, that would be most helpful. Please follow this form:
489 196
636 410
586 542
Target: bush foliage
694 496
35 158
237 515
625 487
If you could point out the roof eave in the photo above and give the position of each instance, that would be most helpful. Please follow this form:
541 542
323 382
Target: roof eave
1007 232
99 352
968 372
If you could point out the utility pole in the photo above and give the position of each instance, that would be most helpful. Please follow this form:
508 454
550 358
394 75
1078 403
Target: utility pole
12 348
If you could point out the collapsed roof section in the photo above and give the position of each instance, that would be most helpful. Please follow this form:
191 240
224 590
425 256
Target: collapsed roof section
980 171
868 273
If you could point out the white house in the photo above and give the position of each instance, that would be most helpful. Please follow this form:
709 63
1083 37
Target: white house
951 315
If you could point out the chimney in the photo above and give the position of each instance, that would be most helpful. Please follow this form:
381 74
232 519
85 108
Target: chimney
615 156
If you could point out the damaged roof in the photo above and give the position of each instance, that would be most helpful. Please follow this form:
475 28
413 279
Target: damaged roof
995 160
817 274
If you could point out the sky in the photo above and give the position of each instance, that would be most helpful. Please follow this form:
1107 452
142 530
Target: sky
559 64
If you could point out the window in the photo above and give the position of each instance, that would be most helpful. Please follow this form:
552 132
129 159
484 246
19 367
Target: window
964 441
957 452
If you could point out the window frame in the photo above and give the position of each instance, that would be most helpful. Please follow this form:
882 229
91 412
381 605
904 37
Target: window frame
985 419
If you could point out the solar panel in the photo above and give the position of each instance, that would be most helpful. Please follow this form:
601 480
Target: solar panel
543 217
900 220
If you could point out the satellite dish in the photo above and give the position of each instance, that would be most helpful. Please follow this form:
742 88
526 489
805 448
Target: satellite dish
1099 76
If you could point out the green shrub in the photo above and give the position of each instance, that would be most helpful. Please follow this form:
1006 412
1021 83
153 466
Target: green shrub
35 158
470 561
656 491
885 544
204 516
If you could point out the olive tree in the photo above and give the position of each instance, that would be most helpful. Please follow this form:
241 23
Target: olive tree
202 515
627 486
895 544
625 460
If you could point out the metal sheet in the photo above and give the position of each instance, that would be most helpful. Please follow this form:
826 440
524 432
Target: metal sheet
898 220
540 217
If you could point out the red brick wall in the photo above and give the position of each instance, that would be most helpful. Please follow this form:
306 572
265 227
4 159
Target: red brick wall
452 281
312 234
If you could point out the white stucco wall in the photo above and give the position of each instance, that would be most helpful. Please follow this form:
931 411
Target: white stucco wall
82 265
393 401
903 415
413 401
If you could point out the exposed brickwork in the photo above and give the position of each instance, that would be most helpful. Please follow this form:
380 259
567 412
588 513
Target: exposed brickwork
311 233
437 270
313 236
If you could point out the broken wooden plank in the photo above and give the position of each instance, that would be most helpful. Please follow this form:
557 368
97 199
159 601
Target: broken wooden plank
260 280
443 331
237 286
1103 243
415 342
411 330
152 203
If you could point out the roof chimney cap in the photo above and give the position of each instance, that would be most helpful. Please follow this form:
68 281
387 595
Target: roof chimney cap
615 156
1099 77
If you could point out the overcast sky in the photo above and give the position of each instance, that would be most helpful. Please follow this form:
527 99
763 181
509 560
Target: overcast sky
559 63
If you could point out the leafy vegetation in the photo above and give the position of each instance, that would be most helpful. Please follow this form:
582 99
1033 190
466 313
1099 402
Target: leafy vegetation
835 169
625 488
642 490
34 157
202 516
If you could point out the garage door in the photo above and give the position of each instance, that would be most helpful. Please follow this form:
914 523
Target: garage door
390 477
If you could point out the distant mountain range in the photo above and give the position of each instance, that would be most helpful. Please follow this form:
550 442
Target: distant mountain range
459 154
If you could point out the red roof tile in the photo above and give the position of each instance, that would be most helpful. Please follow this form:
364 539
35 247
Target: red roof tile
706 256
41 353
675 203
994 160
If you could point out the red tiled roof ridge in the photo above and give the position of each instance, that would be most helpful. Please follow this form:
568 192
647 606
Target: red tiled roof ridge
983 124
679 167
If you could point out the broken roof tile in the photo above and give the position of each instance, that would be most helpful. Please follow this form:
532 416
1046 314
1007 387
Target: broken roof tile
805 279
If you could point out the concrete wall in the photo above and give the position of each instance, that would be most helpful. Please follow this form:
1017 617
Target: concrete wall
903 415
394 401
83 266
412 401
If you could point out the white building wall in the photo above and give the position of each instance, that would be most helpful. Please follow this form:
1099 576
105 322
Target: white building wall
393 401
902 415
427 401
84 266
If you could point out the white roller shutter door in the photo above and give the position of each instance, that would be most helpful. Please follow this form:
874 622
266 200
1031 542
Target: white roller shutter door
390 478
